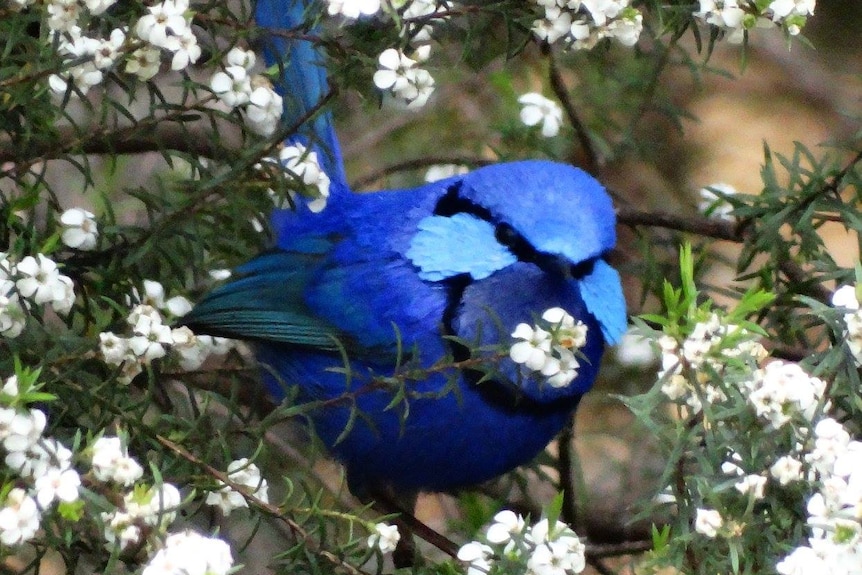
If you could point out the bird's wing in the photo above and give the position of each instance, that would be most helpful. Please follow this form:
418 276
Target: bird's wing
266 302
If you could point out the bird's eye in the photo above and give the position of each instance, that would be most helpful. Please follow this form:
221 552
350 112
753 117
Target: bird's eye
505 234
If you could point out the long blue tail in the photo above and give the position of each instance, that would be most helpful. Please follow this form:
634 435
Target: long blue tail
303 84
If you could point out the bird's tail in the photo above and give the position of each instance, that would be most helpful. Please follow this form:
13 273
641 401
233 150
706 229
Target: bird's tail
303 82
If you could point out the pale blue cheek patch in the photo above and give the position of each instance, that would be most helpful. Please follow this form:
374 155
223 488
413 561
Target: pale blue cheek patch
444 247
602 293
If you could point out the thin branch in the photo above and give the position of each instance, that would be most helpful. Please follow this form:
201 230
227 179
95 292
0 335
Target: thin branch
264 506
740 233
593 161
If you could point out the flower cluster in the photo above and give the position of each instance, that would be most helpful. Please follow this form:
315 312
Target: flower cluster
550 349
144 509
847 297
244 473
779 392
303 167
165 28
47 480
402 78
43 464
737 17
835 545
190 553
581 24
237 88
152 337
384 537
34 281
711 343
807 453
511 545
536 109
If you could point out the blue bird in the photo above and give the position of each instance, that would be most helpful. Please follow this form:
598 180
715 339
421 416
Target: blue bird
423 270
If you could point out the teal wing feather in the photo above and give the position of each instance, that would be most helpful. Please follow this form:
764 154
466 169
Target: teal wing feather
266 302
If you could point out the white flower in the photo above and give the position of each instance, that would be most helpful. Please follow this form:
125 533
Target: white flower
845 296
39 279
478 556
558 550
111 462
233 86
264 109
443 171
402 78
151 335
627 30
784 8
506 523
188 553
566 333
786 470
144 63
114 349
536 109
61 484
555 558
63 14
157 507
634 350
165 19
79 229
97 7
243 473
561 369
753 484
831 440
185 48
120 529
555 25
534 350
39 458
384 538
303 164
19 518
220 274
21 430
802 561
708 522
177 306
104 57
239 57
353 8
13 318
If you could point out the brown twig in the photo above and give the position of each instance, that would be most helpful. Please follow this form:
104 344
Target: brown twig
558 85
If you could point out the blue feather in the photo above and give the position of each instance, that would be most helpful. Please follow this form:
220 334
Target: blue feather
303 81
444 247
602 293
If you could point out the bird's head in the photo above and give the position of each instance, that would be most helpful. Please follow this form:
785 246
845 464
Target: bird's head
555 217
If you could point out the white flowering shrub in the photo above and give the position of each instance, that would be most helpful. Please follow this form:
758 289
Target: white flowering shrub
143 147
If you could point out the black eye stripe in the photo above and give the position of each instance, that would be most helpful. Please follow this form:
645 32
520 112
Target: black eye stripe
506 235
